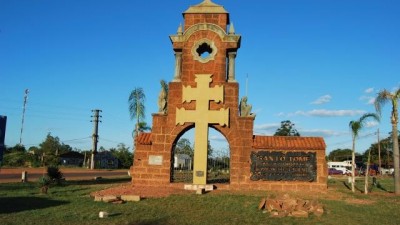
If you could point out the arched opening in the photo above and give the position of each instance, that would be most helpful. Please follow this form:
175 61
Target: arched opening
218 163
182 158
218 160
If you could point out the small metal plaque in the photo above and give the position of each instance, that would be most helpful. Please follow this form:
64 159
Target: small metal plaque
155 160
280 166
200 173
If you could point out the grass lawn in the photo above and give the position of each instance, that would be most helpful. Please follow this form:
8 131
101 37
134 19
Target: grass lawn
21 203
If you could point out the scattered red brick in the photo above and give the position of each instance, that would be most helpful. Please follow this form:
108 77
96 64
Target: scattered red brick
142 191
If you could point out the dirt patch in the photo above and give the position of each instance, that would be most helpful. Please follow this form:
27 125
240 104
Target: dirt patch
359 201
142 191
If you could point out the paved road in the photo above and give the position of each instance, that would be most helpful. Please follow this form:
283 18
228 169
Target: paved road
14 175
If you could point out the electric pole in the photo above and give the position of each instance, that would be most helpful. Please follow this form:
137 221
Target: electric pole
23 115
95 135
379 154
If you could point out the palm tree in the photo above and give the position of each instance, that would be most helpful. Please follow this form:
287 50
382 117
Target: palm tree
355 127
383 97
136 107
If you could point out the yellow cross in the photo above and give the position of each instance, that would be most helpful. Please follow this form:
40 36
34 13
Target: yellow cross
202 117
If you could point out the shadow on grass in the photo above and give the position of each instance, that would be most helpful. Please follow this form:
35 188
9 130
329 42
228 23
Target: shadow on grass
151 222
99 181
18 204
378 185
346 185
16 186
67 191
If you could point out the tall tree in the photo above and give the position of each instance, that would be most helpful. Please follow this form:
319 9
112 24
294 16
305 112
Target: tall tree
355 128
124 156
183 146
287 129
136 107
384 97
339 155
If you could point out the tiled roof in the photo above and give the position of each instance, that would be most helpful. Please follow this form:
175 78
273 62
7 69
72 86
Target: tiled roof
288 143
267 142
144 139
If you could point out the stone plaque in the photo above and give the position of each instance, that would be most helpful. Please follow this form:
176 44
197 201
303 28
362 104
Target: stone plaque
200 173
155 160
280 166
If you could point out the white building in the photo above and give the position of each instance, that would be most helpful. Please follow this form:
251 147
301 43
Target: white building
182 161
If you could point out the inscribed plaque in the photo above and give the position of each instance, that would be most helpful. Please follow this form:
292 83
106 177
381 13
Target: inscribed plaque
155 160
280 166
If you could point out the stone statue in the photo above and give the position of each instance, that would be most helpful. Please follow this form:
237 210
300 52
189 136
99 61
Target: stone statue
163 98
244 108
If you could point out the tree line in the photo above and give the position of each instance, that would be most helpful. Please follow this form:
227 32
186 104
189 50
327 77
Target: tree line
48 154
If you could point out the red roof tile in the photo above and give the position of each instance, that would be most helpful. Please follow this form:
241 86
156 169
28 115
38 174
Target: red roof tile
144 139
288 143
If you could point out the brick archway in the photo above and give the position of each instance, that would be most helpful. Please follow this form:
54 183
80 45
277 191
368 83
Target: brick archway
207 23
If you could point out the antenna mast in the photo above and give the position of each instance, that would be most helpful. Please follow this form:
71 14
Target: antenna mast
23 115
247 83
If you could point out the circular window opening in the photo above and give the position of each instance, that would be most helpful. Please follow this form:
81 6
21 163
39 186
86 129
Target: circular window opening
204 50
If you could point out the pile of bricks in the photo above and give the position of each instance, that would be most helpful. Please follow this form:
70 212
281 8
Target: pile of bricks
287 206
117 199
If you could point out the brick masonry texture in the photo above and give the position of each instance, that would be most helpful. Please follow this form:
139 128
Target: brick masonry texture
239 133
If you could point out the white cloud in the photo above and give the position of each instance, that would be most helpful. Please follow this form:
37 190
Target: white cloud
266 126
371 101
394 89
266 129
329 113
322 133
371 124
322 100
369 90
368 99
218 138
281 114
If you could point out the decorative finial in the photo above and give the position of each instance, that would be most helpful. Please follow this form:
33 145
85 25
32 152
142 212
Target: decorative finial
180 29
231 29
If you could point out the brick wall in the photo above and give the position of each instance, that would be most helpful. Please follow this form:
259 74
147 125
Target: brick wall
239 133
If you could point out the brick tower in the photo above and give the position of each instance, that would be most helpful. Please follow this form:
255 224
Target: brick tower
203 93
204 50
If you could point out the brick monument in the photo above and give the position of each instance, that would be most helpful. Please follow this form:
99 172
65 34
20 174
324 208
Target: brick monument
204 93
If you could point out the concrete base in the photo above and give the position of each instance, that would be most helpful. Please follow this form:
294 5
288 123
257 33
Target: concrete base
195 187
201 191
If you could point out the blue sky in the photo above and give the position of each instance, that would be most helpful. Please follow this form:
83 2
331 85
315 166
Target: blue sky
318 63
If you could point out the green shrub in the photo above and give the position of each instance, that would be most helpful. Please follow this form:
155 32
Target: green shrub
54 173
44 183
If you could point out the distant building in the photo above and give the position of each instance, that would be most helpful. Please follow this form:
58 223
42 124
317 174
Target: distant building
182 161
105 160
71 158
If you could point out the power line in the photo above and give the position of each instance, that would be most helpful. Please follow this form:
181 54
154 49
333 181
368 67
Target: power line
103 139
350 141
76 139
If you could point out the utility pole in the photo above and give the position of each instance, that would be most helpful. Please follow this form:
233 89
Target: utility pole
379 154
95 135
23 115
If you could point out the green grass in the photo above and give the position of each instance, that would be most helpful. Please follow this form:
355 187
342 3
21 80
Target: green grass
71 204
